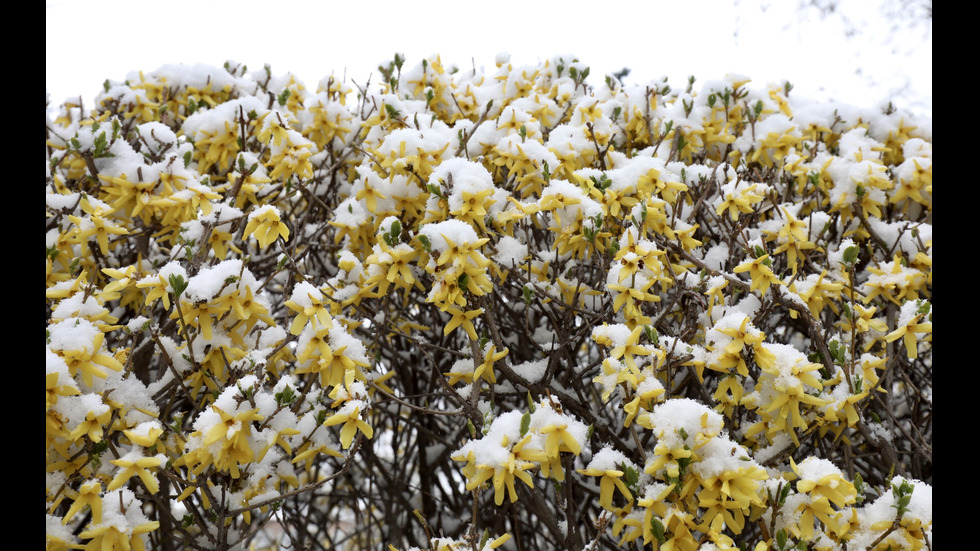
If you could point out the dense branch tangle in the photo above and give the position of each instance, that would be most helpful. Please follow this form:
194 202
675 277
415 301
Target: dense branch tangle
467 309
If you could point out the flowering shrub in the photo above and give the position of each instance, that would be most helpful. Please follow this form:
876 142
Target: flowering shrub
465 309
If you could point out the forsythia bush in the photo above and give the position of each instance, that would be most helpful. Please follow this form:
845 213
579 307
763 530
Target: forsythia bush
464 309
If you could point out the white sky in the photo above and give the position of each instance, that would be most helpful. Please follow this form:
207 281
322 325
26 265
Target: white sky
89 41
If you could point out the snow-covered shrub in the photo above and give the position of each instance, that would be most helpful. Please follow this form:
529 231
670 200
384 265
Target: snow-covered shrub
476 309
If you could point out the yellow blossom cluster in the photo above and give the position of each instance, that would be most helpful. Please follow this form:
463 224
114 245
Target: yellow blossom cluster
516 443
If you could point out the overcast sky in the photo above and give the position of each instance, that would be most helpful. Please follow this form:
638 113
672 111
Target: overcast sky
860 54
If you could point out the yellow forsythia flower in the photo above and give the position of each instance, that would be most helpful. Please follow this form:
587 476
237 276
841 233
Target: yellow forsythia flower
265 225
